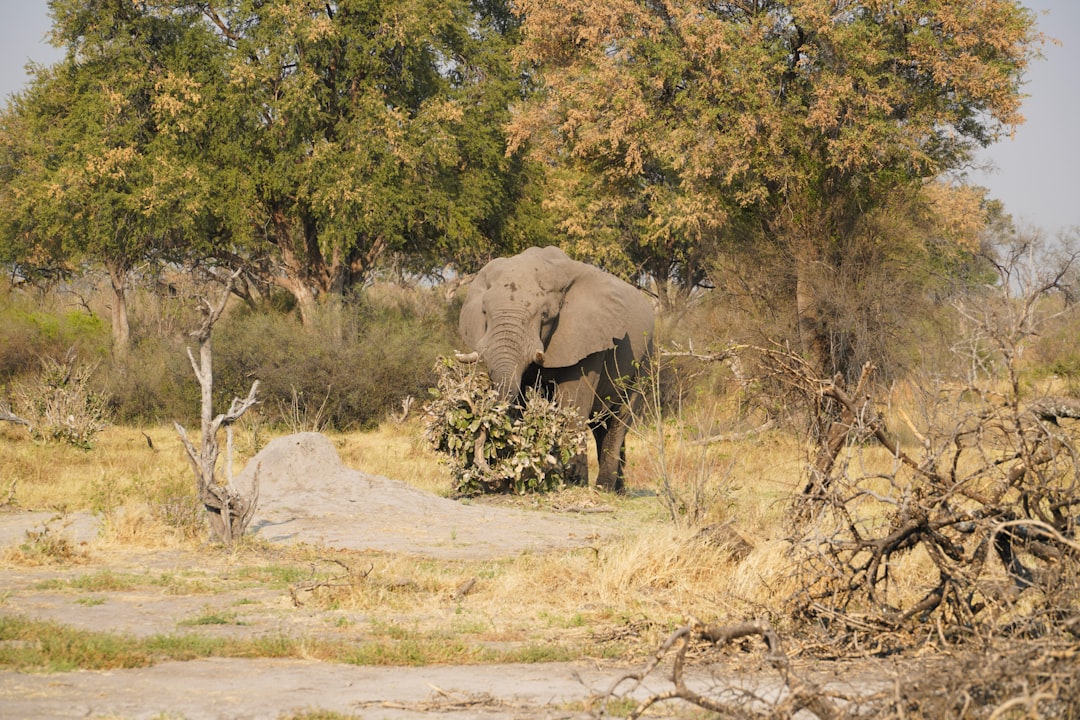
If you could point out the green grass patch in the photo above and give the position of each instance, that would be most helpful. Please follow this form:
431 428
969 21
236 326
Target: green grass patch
212 617
43 646
31 645
91 601
542 653
103 581
112 581
277 576
417 651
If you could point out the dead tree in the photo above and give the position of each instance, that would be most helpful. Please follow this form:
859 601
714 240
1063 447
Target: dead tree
989 497
229 510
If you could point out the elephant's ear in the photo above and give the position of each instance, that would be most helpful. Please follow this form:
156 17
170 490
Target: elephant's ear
471 322
598 310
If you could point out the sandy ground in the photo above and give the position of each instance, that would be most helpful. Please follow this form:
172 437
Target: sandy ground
306 495
227 688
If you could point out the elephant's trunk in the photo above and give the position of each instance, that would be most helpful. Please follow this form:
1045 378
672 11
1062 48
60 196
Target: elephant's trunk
506 376
508 351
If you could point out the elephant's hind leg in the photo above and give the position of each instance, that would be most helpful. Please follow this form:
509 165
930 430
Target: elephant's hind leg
611 453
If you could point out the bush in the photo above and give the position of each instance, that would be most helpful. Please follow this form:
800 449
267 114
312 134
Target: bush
29 332
350 369
354 365
60 405
492 446
153 384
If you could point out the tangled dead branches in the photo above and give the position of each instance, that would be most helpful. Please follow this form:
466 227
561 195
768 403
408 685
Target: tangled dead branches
726 698
953 532
1036 680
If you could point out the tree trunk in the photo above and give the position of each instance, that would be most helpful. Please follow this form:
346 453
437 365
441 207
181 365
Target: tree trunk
121 331
812 340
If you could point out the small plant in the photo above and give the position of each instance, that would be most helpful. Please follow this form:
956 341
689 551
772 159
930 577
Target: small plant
59 404
493 446
47 546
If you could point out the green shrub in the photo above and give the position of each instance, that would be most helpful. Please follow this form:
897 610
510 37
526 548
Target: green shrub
154 383
355 364
492 446
29 332
349 369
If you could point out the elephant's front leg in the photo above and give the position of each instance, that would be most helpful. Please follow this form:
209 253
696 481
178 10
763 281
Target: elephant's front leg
577 470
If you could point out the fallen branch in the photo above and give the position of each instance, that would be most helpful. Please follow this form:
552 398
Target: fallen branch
736 437
11 417
801 695
1051 409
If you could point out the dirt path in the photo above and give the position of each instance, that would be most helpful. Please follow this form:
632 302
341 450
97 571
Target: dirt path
231 689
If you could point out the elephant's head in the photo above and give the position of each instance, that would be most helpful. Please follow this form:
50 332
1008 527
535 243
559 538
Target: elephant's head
542 308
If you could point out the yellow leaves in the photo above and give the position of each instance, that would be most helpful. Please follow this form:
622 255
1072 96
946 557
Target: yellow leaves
958 211
175 98
114 100
319 27
111 163
978 48
673 114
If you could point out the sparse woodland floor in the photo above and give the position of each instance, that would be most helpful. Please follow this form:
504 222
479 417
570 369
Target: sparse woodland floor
116 607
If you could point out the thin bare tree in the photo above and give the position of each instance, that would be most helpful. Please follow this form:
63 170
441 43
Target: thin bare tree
230 511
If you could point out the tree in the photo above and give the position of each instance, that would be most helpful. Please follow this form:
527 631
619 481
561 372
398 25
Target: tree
695 125
371 128
303 141
83 178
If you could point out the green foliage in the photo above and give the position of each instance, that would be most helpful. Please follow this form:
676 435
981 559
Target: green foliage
89 174
348 368
307 142
493 446
30 329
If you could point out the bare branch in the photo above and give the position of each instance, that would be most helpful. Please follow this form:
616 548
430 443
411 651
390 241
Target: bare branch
801 694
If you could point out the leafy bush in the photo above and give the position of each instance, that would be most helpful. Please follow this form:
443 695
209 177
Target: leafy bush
492 446
352 366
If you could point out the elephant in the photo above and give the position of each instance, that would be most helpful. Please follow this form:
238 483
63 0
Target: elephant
578 333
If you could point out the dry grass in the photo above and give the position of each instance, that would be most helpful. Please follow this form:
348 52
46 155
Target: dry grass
139 480
396 450
618 597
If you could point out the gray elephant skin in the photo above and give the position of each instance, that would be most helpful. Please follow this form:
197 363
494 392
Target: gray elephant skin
579 334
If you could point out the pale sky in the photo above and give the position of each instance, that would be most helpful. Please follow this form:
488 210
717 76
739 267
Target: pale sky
1034 174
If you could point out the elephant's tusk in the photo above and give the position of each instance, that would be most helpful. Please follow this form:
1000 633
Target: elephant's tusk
467 357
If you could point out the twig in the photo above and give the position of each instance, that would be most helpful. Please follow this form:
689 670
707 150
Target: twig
736 437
